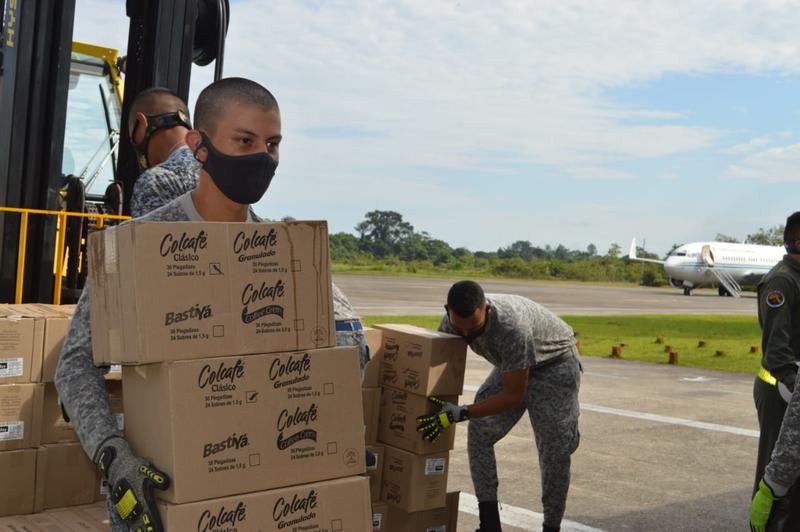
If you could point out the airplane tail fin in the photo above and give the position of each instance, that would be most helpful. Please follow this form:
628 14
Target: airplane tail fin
632 255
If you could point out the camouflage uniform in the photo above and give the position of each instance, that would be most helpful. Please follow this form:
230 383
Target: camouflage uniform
779 317
521 334
161 184
80 384
783 470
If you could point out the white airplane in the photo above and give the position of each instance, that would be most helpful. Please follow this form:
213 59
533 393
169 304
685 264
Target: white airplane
725 264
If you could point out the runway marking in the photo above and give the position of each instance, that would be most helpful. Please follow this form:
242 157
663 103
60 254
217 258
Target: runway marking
521 518
646 416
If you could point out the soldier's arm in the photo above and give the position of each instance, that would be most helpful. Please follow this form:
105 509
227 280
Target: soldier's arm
778 301
145 197
783 470
80 384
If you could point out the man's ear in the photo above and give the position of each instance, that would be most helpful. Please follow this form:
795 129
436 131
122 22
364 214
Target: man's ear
138 129
193 140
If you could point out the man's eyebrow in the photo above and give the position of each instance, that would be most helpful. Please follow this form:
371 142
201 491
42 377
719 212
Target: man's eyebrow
245 131
276 137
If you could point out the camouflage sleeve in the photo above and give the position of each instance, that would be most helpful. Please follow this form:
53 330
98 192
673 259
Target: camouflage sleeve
80 384
778 301
146 196
342 309
784 469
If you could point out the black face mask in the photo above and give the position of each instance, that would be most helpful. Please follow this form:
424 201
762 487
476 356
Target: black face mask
791 248
242 178
154 123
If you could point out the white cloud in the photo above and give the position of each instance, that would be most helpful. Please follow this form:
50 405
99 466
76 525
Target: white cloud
776 164
449 85
747 147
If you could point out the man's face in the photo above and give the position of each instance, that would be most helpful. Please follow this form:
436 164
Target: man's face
472 325
244 130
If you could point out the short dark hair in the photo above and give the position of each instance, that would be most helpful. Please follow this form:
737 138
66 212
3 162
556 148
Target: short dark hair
215 98
464 297
155 101
791 232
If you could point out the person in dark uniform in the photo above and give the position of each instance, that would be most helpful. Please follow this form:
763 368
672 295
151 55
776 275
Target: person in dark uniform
779 318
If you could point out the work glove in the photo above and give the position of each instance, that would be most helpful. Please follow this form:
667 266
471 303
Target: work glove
761 507
131 481
432 425
786 385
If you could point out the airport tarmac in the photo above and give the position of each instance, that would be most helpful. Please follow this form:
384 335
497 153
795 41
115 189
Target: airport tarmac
663 448
373 295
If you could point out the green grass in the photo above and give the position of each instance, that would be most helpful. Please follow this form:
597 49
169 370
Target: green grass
732 334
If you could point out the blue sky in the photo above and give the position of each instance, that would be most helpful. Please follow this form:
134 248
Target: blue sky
483 123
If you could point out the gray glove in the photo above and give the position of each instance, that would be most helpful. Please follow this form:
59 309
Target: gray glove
786 385
131 481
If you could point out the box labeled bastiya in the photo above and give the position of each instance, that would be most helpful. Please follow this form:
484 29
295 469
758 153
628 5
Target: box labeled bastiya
234 425
398 422
332 506
421 361
414 482
182 290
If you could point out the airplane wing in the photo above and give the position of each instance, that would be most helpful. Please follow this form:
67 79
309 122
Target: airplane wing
632 255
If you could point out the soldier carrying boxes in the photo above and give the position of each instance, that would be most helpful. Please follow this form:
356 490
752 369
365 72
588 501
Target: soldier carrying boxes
150 308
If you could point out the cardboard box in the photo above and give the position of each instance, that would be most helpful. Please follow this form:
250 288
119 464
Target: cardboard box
56 430
21 339
240 424
20 416
375 473
398 422
336 505
380 517
65 476
371 399
436 520
83 518
413 482
56 327
184 290
372 372
421 361
18 474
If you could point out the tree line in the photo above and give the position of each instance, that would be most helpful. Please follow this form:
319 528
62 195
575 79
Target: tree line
384 241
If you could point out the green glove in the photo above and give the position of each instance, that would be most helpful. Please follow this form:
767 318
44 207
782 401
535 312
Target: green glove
431 426
131 481
761 507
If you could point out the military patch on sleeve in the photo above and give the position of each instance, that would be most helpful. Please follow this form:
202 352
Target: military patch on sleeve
775 299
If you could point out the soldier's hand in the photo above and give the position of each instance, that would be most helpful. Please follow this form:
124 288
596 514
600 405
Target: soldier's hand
786 385
761 507
432 426
131 481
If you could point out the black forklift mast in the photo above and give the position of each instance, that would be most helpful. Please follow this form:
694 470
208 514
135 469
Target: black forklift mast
165 37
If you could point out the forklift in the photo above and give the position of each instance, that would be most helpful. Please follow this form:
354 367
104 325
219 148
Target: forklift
67 167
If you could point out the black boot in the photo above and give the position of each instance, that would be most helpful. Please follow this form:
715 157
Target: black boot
546 528
489 516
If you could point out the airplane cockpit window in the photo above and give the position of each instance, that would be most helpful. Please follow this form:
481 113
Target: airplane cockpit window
677 253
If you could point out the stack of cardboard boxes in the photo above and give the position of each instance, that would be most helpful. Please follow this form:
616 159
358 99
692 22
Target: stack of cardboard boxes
414 363
231 382
41 461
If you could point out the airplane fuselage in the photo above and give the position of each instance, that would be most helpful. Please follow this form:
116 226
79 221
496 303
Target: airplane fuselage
690 265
